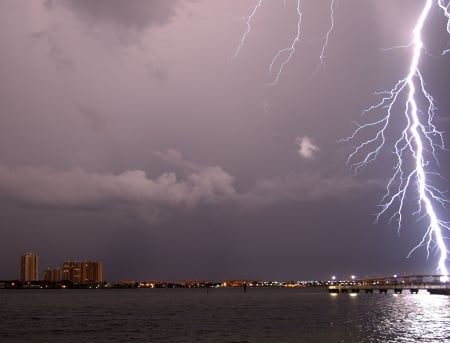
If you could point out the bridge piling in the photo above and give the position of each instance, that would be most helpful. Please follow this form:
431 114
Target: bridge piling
395 283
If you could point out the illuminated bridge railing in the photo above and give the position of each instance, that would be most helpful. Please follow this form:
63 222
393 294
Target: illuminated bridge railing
395 284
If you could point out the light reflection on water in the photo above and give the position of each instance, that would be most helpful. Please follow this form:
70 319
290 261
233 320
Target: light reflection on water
221 315
423 318
406 318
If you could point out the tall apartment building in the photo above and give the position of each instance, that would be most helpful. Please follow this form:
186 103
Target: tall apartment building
29 267
71 270
48 275
52 275
87 271
56 275
92 271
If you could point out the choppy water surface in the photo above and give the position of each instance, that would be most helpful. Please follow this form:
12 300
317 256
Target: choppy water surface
221 315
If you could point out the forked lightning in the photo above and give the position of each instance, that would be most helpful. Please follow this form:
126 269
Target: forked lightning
416 146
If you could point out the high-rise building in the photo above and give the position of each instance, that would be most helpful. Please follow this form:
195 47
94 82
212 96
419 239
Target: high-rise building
56 275
48 275
29 267
87 271
92 271
71 270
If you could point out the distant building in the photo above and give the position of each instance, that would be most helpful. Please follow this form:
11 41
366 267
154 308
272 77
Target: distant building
56 275
71 270
29 267
92 271
233 283
79 272
48 275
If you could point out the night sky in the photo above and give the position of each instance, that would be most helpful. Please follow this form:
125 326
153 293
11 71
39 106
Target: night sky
128 135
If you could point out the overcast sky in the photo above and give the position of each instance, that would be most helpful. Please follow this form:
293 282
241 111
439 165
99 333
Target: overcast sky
130 135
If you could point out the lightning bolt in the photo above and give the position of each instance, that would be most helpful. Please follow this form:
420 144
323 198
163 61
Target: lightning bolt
283 56
415 149
248 20
327 36
445 9
289 52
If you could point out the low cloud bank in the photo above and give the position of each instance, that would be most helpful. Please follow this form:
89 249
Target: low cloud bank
78 188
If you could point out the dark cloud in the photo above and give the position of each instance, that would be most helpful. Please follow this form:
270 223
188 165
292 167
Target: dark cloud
306 187
79 188
93 118
55 51
199 185
136 15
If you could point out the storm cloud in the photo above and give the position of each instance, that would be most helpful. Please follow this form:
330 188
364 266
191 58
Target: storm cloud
139 15
79 188
129 134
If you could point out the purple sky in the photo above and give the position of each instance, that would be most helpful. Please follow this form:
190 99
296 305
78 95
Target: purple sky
128 135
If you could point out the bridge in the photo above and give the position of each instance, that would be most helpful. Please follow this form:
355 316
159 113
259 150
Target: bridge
434 284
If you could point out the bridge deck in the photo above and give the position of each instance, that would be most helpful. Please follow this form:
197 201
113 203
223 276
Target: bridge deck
434 284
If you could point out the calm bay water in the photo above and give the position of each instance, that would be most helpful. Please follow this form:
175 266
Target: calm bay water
221 315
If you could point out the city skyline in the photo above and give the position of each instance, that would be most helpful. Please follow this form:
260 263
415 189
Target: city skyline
91 272
84 271
135 135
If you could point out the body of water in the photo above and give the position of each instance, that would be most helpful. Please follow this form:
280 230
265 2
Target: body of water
221 315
